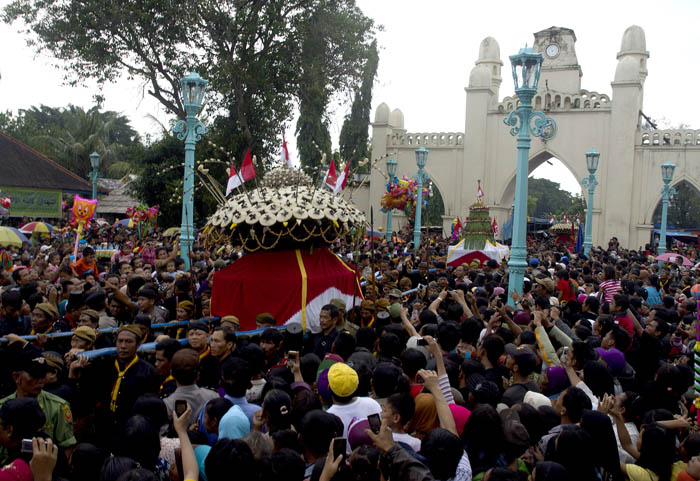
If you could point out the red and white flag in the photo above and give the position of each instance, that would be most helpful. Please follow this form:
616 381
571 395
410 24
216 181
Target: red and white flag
479 192
343 179
331 176
284 153
494 226
578 220
551 219
247 172
566 218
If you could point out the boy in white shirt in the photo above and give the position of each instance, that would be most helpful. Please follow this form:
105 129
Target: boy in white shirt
398 411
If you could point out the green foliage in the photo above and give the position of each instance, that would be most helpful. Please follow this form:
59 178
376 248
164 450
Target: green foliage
251 52
354 135
683 209
69 135
160 182
546 198
432 214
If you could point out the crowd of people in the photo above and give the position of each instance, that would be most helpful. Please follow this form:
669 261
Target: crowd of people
433 376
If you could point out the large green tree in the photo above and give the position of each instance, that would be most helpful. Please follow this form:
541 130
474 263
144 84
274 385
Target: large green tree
354 134
69 135
547 198
249 50
683 209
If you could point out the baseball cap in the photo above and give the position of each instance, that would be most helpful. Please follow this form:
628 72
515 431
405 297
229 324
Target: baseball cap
342 380
523 357
33 364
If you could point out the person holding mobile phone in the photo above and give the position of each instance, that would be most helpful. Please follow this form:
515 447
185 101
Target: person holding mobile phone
184 368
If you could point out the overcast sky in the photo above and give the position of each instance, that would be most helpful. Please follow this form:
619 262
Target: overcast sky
427 52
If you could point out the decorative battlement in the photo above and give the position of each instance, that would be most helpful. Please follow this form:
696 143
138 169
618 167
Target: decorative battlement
431 139
669 138
551 100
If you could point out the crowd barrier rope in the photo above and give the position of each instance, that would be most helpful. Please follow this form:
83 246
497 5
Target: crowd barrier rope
151 346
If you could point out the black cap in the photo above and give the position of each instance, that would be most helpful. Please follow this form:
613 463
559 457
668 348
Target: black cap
76 300
523 357
198 325
147 293
96 300
143 320
484 391
33 364
24 415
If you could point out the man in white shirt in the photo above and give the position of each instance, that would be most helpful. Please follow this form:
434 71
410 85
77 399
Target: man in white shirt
343 382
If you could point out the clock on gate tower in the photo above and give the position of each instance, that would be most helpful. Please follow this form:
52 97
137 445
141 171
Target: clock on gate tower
560 69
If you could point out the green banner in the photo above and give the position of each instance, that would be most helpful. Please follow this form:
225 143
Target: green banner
33 202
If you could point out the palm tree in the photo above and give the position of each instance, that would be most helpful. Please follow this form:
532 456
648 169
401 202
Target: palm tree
71 134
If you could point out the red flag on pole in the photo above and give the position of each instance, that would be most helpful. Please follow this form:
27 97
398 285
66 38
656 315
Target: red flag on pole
247 172
331 176
494 226
284 154
343 179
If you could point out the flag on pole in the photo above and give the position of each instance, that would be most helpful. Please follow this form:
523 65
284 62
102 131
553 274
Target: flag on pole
284 153
331 176
343 179
566 218
551 219
479 192
247 172
578 219
494 226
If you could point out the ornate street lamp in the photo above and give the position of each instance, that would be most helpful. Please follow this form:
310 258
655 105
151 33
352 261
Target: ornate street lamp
592 159
95 173
523 122
190 130
421 159
667 192
391 166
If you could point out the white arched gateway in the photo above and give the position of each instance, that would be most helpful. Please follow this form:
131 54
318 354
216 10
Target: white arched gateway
629 175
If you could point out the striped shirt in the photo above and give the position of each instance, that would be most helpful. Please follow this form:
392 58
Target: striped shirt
610 288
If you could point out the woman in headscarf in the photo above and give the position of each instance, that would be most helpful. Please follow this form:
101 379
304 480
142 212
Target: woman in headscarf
425 418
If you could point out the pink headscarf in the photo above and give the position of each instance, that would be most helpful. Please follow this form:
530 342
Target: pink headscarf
460 415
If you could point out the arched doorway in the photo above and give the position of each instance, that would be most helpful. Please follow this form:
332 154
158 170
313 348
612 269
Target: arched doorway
683 209
553 188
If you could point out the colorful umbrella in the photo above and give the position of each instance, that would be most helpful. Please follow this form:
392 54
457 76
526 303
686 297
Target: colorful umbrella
125 222
672 256
171 231
36 227
9 236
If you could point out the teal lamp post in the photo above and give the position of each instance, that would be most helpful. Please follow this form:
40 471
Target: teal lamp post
391 165
421 159
667 192
95 173
526 67
592 159
190 130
